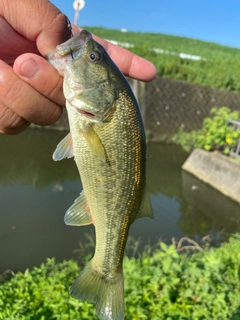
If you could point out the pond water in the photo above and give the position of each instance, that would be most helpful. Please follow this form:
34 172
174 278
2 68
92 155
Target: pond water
35 192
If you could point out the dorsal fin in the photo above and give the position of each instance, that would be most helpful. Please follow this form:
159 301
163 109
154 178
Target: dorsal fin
145 209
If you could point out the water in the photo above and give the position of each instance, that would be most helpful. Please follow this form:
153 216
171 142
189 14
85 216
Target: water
35 192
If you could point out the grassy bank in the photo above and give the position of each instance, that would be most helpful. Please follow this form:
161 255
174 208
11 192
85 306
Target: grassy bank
164 284
218 67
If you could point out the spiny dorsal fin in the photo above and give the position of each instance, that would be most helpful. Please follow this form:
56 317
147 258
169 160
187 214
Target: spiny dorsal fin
145 209
78 214
64 149
94 142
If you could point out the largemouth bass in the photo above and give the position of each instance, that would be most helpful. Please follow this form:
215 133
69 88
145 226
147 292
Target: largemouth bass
107 141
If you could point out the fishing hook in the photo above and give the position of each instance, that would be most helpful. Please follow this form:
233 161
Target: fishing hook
71 53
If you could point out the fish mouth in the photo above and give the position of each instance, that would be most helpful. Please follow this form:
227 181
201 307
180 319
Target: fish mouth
86 113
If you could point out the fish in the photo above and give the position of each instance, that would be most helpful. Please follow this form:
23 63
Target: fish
108 143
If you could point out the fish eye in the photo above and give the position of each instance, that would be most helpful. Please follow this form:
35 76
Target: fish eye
94 56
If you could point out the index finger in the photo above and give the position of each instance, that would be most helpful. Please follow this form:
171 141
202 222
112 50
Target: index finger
38 21
129 63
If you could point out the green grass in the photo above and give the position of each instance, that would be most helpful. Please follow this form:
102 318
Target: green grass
219 68
160 285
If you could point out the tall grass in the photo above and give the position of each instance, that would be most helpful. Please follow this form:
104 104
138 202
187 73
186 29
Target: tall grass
163 284
219 66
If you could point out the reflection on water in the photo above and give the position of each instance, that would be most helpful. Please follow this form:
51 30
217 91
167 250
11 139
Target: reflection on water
35 192
220 212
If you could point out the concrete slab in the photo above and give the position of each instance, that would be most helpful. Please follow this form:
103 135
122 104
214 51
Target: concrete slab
217 170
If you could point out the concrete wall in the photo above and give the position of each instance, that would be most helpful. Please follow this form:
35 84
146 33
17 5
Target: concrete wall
167 105
217 170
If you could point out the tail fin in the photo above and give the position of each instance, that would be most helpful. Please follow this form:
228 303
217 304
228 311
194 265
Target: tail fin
107 293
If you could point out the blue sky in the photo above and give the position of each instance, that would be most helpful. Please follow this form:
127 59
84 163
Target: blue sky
210 20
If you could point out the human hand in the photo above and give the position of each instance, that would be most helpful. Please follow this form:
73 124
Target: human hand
30 88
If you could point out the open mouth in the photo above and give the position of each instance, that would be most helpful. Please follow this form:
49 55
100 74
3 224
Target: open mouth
86 113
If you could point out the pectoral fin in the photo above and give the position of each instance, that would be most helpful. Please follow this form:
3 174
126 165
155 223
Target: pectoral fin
145 209
78 214
94 142
64 149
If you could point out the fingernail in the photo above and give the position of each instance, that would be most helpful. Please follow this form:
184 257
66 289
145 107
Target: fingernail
29 69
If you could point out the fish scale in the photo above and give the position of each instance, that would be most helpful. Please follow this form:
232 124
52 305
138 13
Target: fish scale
111 134
108 143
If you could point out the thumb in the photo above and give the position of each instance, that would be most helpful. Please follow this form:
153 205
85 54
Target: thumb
37 71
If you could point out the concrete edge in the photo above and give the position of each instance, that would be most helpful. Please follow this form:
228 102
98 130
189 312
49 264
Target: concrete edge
217 170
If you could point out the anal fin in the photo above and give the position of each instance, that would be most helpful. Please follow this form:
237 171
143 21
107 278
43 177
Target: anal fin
78 214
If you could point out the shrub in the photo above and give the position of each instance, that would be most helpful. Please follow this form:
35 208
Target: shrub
163 284
215 135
